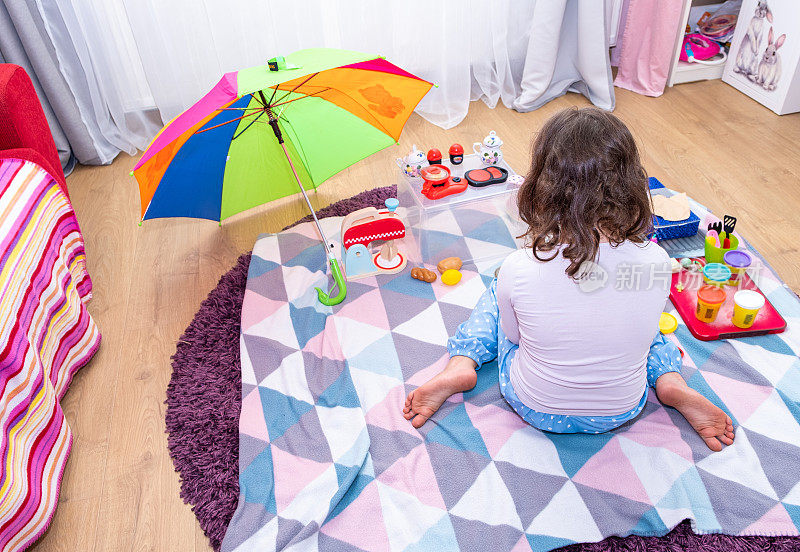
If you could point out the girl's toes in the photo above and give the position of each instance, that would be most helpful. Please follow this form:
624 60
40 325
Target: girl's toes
713 443
419 421
725 439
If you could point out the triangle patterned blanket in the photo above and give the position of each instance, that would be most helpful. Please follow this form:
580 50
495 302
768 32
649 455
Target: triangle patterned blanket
327 462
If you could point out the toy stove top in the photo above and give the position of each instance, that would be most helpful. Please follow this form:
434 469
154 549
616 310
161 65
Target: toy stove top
472 161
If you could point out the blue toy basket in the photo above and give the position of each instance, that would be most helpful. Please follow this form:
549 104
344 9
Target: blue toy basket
671 229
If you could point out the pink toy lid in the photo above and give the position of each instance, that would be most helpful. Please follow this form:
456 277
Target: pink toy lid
737 258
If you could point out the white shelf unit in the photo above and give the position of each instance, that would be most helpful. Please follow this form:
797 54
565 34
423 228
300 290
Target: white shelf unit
681 71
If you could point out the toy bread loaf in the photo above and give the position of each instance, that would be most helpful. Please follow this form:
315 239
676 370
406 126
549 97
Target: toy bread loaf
450 263
423 274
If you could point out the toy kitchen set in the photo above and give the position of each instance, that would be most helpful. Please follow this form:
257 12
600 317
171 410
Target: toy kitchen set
460 205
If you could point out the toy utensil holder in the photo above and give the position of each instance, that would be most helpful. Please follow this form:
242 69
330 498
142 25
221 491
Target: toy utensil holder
714 254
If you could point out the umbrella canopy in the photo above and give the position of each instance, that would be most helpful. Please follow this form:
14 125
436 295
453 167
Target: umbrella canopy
221 156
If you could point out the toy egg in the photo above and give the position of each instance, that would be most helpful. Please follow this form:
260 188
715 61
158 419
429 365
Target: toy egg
456 154
434 157
451 277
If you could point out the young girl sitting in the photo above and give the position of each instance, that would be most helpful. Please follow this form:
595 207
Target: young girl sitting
573 318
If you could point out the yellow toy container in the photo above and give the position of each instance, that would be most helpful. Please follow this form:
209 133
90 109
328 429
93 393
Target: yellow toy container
746 304
709 301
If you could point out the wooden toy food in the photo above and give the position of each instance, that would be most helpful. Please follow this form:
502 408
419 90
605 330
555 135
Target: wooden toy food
450 263
451 277
423 274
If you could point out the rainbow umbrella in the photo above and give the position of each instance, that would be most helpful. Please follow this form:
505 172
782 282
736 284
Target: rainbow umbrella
263 131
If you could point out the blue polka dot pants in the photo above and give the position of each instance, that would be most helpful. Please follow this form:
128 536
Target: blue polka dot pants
481 339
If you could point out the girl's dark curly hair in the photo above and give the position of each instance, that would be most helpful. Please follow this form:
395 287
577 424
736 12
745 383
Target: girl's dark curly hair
585 181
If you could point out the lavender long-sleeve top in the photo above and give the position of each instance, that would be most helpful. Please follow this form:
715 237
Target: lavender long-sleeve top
583 346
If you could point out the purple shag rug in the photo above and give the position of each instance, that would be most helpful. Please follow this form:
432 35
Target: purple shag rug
204 401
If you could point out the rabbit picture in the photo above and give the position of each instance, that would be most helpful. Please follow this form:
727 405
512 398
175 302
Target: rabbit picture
769 70
747 57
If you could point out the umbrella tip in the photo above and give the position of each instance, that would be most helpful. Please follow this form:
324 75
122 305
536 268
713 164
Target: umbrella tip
130 173
219 223
140 224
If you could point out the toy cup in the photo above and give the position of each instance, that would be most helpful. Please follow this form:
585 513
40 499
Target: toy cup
716 274
709 301
737 261
715 254
746 304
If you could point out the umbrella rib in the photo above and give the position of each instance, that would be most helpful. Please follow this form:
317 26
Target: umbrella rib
295 88
228 122
274 91
235 136
302 97
383 128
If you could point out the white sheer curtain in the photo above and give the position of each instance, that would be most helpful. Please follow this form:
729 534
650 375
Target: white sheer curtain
97 56
521 52
145 54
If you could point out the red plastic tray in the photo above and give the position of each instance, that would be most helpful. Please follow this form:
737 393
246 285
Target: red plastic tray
767 321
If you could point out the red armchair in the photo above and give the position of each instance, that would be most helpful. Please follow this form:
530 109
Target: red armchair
24 131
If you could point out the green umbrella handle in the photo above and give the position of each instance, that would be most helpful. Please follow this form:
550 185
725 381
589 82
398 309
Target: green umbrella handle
325 298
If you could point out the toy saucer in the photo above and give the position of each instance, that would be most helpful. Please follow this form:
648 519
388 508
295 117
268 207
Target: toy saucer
667 323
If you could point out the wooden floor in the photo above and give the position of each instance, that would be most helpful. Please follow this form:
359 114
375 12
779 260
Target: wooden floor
120 491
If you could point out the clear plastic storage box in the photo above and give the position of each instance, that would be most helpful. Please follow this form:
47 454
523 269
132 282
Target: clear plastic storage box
479 225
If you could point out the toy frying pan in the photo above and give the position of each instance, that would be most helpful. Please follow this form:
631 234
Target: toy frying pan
485 177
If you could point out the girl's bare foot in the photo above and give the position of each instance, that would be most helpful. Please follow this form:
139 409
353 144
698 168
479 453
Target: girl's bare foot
710 422
459 375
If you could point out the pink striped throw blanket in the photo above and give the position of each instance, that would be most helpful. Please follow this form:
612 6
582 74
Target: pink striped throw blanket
46 335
